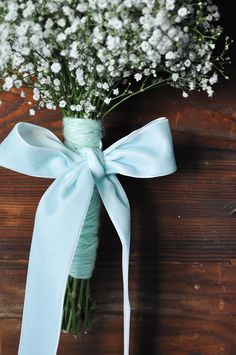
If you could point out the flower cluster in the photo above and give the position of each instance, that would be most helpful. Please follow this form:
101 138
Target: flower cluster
85 55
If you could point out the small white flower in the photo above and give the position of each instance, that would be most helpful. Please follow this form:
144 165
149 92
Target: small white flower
36 95
102 4
170 55
107 100
18 83
213 79
105 86
82 7
99 85
22 94
32 112
61 22
182 12
78 108
100 68
56 82
116 92
49 24
62 103
145 46
56 67
185 94
187 63
49 105
138 77
175 76
8 84
61 37
115 23
113 42
170 4
210 92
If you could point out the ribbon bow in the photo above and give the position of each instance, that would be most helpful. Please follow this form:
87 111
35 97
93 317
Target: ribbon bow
35 151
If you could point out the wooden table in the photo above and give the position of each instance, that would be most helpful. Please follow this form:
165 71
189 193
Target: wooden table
183 251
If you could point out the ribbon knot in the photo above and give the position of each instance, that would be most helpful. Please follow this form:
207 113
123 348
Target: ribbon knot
35 151
96 163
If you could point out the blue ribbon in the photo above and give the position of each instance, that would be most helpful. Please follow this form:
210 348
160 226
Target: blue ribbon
35 151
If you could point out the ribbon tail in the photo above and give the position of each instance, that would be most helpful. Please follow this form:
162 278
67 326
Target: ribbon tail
59 220
117 206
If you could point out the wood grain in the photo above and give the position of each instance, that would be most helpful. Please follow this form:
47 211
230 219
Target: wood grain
183 252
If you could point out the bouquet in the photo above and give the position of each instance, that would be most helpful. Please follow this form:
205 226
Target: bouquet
88 57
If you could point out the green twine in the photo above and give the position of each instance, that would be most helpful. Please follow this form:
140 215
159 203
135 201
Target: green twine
80 133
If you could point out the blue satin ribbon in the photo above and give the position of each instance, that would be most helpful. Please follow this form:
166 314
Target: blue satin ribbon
35 151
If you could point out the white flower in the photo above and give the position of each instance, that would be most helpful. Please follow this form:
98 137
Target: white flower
56 67
49 23
29 9
210 92
116 92
170 55
82 7
61 37
182 12
175 76
102 4
213 79
80 77
18 83
185 94
32 112
49 105
56 82
105 86
113 42
115 23
145 46
100 68
36 95
107 100
170 4
8 84
138 76
62 103
61 22
78 108
187 63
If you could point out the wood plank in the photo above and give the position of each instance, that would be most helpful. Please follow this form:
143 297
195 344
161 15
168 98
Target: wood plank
177 309
191 230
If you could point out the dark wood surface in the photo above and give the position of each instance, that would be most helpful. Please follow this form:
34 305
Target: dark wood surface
183 250
183 254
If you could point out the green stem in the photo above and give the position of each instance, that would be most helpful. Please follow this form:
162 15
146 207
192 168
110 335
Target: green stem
77 307
142 90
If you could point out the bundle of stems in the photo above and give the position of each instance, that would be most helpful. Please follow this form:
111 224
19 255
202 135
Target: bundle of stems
78 306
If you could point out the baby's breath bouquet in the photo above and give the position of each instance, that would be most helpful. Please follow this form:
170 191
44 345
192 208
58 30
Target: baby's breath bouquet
87 57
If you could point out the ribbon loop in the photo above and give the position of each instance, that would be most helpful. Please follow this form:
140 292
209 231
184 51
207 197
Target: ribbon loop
35 151
95 162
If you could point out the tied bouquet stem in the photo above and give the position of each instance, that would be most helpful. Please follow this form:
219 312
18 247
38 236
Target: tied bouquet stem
88 57
77 306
